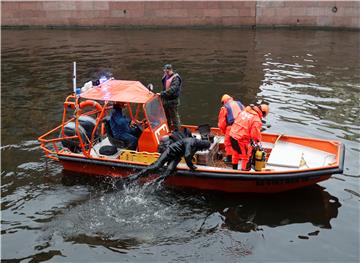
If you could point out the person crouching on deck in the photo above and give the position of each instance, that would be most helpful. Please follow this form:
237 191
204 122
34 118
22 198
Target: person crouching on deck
246 128
170 96
229 111
186 147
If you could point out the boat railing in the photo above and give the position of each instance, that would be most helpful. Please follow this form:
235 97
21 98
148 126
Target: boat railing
49 142
46 142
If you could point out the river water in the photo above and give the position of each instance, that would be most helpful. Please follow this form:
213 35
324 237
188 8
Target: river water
311 80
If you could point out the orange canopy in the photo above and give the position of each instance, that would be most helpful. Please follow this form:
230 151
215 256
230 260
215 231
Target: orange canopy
119 91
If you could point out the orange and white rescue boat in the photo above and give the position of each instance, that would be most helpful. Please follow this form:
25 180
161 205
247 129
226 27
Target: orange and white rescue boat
291 162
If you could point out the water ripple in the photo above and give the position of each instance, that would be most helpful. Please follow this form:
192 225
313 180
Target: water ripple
311 79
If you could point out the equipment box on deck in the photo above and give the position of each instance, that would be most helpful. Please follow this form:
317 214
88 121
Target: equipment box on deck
207 157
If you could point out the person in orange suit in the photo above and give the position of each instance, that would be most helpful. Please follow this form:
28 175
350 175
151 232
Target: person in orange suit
228 112
246 130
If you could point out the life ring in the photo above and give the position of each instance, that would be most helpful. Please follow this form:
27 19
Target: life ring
90 103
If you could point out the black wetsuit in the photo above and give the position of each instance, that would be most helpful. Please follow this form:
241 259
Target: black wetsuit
172 156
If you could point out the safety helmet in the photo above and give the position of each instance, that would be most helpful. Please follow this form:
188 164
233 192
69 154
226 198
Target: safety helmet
264 109
225 98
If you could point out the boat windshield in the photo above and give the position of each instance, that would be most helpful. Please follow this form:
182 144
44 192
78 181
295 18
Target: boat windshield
155 113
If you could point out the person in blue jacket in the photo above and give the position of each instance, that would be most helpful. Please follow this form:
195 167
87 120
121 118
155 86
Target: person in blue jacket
122 128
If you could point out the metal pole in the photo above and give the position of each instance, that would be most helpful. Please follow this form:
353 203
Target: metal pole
74 78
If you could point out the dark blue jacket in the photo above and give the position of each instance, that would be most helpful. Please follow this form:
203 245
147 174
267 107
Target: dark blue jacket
120 127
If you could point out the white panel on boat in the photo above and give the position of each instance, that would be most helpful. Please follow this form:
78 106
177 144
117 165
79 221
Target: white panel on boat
286 154
277 168
95 150
267 145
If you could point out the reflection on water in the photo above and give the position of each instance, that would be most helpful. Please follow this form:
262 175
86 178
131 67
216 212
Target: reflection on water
310 78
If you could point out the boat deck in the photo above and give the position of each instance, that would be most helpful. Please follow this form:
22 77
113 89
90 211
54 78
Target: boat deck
284 156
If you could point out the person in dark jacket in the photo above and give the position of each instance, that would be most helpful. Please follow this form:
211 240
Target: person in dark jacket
186 147
170 94
122 128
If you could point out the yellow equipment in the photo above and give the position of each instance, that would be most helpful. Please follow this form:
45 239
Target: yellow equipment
260 160
143 157
140 157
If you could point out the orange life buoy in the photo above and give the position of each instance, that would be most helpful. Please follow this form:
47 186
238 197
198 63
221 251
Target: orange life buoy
90 103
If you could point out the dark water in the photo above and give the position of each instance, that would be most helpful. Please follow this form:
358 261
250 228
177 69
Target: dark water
310 78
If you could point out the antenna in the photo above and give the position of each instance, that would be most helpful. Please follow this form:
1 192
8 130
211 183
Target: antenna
74 77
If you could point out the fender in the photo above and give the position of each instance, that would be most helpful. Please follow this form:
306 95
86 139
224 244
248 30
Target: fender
99 108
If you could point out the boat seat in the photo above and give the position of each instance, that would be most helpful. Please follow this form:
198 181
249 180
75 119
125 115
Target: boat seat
117 143
108 150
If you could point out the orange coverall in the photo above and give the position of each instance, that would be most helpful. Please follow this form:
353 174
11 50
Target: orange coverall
224 124
247 126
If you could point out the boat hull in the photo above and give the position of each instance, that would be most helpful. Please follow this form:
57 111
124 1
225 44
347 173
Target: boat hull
229 182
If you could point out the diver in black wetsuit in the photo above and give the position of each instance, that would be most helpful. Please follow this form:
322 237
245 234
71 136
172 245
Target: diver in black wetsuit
186 147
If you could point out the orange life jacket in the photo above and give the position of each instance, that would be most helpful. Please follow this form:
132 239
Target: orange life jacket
233 109
167 82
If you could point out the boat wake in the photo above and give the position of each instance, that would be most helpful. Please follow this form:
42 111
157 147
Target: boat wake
32 145
137 214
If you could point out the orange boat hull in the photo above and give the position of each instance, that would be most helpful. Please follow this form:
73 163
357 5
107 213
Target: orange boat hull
255 184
